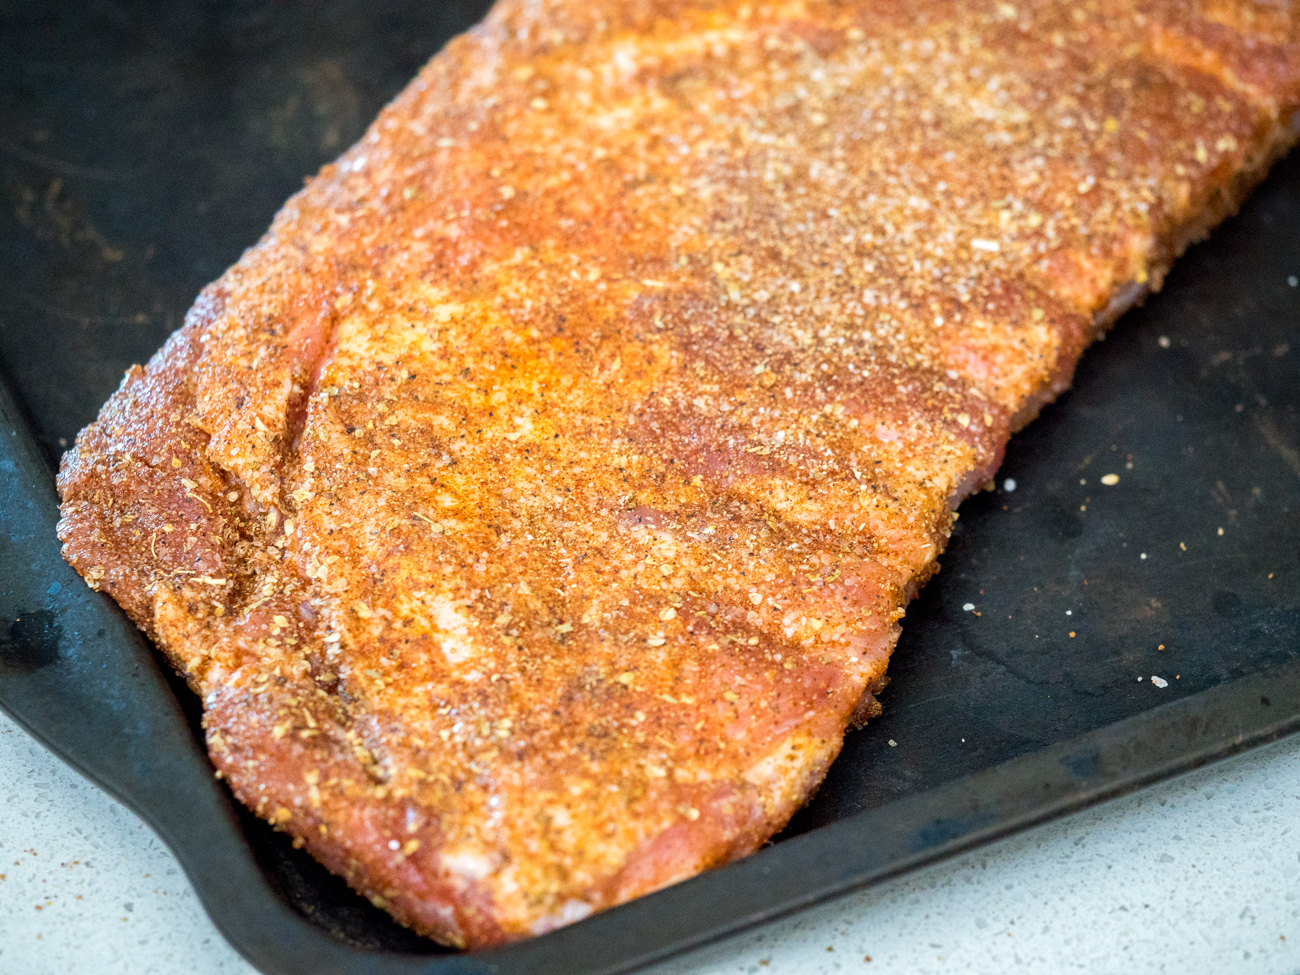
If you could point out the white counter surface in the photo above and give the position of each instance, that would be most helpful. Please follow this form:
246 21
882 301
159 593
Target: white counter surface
1199 875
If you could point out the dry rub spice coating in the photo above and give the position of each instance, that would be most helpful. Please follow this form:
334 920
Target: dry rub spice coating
535 505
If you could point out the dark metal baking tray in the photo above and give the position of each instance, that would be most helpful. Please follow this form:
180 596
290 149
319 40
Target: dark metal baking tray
143 146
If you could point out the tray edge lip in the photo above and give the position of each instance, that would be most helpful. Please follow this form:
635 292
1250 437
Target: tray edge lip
830 834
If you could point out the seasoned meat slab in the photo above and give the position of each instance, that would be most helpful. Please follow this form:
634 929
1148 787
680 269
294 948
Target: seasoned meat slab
535 505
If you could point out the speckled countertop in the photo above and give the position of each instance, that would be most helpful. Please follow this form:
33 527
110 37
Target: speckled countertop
1198 875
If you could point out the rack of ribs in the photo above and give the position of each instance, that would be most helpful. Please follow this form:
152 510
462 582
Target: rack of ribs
535 506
